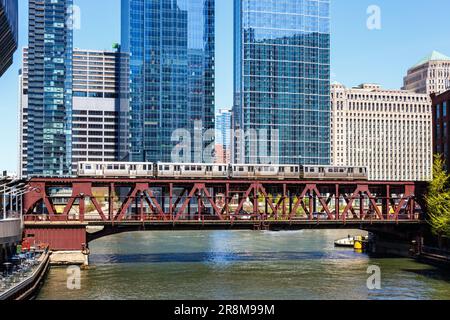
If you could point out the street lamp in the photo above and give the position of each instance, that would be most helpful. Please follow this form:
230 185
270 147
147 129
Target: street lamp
4 185
11 188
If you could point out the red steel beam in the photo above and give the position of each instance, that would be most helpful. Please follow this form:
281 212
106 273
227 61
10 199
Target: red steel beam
141 189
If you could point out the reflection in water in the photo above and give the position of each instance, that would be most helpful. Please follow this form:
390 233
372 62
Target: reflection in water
241 265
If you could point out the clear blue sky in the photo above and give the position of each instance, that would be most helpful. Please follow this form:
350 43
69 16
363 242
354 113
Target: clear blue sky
410 30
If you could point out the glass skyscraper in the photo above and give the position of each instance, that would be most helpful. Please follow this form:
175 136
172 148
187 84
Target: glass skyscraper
282 80
171 46
9 29
50 46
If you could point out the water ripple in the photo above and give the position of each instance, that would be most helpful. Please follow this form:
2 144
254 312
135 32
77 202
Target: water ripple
225 257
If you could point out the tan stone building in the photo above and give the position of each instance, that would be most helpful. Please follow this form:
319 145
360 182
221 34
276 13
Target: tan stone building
429 75
387 131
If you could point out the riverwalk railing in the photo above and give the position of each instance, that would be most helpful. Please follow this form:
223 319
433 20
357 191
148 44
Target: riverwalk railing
436 252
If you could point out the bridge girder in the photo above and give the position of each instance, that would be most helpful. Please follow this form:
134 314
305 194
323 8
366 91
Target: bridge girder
223 200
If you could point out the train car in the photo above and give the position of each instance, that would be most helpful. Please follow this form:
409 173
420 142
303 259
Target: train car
218 171
260 171
116 169
279 172
334 173
191 170
242 171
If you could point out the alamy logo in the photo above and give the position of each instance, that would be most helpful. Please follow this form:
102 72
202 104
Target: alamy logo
73 278
374 280
262 146
73 21
374 19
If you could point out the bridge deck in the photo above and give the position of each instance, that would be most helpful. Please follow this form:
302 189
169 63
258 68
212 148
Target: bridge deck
220 225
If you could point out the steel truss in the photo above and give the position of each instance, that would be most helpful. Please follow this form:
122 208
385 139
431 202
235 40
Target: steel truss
122 200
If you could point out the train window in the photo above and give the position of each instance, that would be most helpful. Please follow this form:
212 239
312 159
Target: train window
360 170
160 168
167 168
122 167
116 167
241 169
88 167
199 168
187 168
177 168
109 167
350 170
321 170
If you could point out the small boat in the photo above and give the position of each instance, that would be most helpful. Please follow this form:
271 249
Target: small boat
345 243
349 242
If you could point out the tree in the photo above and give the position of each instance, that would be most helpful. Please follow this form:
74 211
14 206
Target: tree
438 200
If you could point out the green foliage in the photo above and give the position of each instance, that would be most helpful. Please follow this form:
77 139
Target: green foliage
438 199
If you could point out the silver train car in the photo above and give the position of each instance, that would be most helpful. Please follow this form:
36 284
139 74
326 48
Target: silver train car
218 171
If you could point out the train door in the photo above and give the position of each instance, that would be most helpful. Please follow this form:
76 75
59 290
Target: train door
99 170
209 171
132 170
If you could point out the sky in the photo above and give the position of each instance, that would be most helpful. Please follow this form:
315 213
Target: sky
410 29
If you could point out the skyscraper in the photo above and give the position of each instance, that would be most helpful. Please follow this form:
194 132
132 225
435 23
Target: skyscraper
171 46
49 88
387 131
223 136
96 107
8 33
282 81
429 75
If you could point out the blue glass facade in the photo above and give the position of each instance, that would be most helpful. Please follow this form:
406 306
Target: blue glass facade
9 25
282 78
50 49
171 46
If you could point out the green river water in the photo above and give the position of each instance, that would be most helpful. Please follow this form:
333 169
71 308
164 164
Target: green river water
241 265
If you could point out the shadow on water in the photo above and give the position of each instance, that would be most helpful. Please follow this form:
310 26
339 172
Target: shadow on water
199 257
434 273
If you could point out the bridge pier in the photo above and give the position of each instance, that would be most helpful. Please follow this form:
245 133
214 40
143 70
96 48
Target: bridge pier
58 236
397 240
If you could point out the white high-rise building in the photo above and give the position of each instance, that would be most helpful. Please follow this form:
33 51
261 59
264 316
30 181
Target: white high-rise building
95 116
387 131
429 75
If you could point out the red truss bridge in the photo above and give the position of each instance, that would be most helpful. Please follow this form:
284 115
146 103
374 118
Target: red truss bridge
58 210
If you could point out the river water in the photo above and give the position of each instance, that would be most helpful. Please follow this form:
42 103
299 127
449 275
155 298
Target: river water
241 265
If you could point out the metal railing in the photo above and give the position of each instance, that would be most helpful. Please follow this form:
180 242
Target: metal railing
149 217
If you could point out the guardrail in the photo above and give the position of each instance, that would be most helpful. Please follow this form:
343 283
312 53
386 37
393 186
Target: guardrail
317 218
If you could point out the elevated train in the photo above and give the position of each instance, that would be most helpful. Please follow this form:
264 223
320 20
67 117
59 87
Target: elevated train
219 171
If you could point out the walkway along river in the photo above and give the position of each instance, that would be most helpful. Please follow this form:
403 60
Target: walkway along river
242 265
